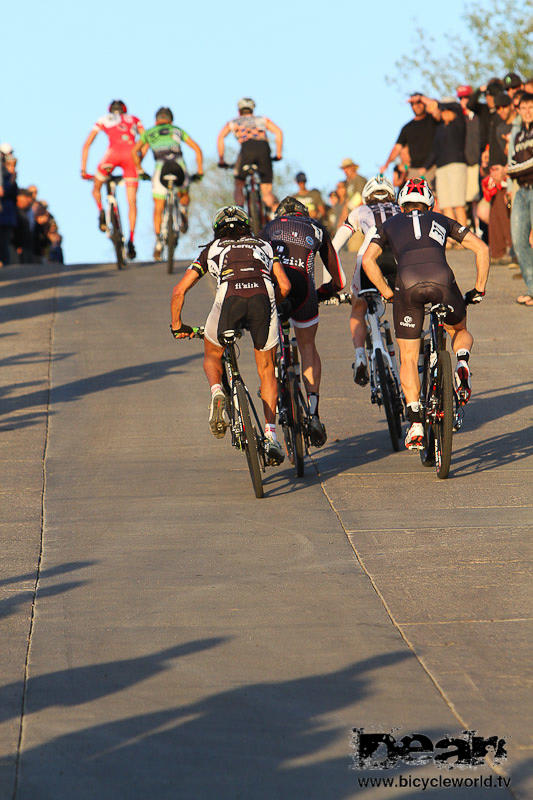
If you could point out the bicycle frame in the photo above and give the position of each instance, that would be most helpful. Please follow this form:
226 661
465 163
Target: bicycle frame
434 339
377 329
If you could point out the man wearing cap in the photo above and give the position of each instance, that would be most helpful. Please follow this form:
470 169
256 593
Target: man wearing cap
499 219
417 136
311 198
513 84
354 188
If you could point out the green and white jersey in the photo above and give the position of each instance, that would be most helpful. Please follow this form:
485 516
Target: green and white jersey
165 141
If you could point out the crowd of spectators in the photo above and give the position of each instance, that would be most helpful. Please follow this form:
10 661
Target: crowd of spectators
466 147
28 231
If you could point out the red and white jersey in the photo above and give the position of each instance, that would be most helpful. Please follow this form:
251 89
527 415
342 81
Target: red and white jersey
121 130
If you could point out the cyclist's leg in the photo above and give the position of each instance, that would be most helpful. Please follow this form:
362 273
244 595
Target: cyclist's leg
238 193
269 199
213 363
159 205
311 364
409 378
265 360
262 320
132 185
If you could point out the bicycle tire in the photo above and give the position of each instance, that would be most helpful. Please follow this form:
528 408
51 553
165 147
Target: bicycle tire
427 454
250 443
254 211
297 432
172 241
388 396
444 427
117 238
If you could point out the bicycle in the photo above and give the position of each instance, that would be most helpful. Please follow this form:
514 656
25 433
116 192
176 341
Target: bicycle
252 194
173 217
246 429
112 215
293 409
385 387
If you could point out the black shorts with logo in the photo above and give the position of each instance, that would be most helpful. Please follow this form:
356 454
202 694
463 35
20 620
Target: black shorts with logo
255 152
253 312
408 307
303 298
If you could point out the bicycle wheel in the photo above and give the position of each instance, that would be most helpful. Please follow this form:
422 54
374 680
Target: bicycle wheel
117 238
388 394
172 238
250 444
254 211
297 426
427 454
444 426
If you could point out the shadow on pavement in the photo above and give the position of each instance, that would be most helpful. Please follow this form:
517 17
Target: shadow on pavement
126 376
253 741
496 451
61 569
10 605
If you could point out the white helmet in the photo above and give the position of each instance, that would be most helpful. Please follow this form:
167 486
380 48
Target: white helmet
416 190
378 187
246 102
6 149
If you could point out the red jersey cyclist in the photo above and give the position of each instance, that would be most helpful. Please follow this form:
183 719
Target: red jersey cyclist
122 130
251 133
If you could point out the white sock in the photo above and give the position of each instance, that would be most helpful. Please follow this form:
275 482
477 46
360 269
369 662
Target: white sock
414 406
216 387
270 431
463 354
360 354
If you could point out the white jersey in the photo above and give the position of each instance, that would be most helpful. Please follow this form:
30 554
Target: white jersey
366 219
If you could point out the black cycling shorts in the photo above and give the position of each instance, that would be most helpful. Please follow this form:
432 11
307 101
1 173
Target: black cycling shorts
254 152
253 312
408 307
303 298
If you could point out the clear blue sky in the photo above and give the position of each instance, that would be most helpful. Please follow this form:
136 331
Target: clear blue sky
317 69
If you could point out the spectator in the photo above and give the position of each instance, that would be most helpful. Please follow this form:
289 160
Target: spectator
528 85
472 153
311 198
487 110
354 183
416 138
513 84
399 174
332 213
521 169
8 213
448 154
40 233
55 253
499 218
23 233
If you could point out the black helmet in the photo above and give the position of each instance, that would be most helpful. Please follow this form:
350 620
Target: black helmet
230 217
164 111
290 206
117 106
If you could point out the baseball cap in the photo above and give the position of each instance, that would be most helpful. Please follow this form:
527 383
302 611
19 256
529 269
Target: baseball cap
502 100
347 162
494 86
300 177
450 104
512 80
464 91
6 149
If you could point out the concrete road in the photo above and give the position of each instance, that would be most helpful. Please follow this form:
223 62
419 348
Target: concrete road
166 635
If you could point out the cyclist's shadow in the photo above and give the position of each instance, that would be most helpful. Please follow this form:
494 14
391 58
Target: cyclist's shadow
491 453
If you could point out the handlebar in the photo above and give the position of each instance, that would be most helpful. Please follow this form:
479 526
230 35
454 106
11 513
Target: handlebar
188 332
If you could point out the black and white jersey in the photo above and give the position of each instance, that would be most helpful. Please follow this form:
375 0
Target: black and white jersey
363 218
418 242
242 262
297 239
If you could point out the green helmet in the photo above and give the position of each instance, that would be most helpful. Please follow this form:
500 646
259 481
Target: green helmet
289 206
230 217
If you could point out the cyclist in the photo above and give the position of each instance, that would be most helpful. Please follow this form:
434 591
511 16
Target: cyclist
379 205
165 139
296 239
251 133
246 272
121 129
418 240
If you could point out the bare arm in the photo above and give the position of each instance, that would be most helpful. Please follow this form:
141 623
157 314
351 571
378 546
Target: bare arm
432 107
278 134
280 275
85 152
392 156
220 141
138 152
370 266
198 153
481 251
178 297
